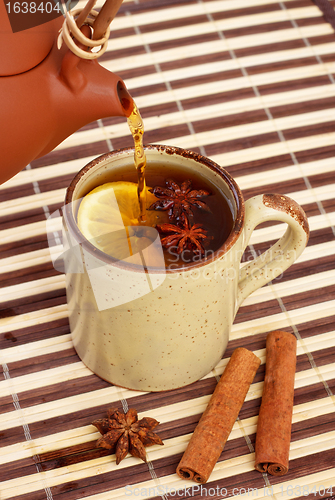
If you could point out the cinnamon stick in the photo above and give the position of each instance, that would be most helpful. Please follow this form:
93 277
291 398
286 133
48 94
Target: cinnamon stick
275 415
216 423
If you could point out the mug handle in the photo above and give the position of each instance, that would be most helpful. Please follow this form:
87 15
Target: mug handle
282 254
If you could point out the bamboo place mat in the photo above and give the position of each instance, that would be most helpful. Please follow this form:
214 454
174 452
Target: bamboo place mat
251 85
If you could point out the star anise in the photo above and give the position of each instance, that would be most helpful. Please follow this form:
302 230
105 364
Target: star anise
178 199
184 236
123 433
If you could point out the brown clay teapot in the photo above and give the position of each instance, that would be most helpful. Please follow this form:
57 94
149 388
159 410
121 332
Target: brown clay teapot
48 93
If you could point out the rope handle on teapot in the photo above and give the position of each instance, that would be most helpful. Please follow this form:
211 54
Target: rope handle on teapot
99 21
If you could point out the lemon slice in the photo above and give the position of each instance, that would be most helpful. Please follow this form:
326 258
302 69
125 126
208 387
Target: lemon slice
105 214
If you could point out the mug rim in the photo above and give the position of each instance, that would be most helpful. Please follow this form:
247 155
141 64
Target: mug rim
170 150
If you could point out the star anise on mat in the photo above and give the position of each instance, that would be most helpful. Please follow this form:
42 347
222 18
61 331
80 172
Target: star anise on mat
178 199
184 236
123 433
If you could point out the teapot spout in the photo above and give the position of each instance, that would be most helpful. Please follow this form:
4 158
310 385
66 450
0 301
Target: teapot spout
126 101
89 92
45 105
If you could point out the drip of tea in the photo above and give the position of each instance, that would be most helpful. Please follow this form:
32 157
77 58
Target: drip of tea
136 127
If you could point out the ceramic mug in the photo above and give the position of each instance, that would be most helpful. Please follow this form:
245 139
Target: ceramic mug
170 330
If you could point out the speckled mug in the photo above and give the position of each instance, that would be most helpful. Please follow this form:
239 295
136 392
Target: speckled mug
177 332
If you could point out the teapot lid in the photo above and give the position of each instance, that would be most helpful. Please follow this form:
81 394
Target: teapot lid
25 43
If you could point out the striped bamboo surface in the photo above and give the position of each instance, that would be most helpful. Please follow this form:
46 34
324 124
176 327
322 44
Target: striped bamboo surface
251 85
